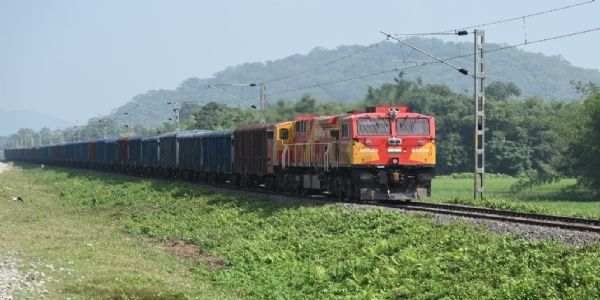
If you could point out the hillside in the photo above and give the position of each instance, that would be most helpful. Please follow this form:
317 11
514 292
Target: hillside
12 121
534 73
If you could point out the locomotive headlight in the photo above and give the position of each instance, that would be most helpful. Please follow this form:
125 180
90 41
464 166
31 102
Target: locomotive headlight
420 142
394 141
395 161
368 142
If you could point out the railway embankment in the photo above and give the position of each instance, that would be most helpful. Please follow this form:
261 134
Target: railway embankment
120 236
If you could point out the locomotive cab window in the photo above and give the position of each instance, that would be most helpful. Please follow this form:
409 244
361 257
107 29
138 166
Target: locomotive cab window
374 127
345 130
283 134
335 133
412 126
300 126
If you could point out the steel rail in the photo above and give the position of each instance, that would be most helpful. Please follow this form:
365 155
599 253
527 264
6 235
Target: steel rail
571 223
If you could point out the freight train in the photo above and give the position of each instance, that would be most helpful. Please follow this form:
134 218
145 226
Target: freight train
380 153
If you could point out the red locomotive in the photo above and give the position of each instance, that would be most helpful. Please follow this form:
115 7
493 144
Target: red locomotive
382 153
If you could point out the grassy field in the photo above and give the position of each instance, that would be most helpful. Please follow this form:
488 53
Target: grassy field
555 198
127 238
82 251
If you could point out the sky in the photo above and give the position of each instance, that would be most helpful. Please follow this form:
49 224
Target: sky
76 59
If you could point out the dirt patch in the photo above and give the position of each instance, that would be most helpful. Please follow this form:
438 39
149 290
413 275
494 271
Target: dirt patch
4 167
188 251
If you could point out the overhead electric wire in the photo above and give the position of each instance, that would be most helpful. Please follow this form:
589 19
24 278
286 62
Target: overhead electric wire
528 16
162 114
544 40
430 62
512 19
232 96
461 70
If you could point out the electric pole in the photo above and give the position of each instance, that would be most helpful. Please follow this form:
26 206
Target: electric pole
176 110
479 95
263 101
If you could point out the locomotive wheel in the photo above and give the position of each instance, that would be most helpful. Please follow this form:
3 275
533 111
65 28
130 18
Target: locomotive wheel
340 195
339 189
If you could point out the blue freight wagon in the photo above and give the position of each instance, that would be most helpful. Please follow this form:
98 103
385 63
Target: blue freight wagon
69 153
168 154
217 155
134 163
150 153
111 153
81 153
53 154
100 160
189 157
43 154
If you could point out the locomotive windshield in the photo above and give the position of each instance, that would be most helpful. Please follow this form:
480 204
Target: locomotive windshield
374 127
406 126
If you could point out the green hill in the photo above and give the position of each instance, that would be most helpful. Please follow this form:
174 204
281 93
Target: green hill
534 73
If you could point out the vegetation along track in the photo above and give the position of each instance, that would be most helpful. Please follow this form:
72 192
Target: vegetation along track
571 223
474 212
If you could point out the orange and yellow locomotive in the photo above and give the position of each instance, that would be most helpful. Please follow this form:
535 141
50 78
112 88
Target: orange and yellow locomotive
381 153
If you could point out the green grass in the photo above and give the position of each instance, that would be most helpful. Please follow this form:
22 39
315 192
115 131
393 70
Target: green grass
275 249
84 252
555 198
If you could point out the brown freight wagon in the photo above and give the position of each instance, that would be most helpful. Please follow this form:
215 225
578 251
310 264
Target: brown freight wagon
253 148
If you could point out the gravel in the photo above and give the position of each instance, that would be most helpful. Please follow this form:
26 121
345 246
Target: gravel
522 231
9 277
3 167
13 281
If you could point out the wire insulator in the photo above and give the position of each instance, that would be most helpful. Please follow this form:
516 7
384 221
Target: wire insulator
462 32
463 71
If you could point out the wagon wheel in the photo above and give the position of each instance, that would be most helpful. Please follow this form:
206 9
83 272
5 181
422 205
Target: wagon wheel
298 189
340 193
349 192
340 190
277 184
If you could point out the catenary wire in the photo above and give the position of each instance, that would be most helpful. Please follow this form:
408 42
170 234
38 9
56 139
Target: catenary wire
500 21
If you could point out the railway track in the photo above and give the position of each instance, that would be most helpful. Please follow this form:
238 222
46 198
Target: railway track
474 212
570 223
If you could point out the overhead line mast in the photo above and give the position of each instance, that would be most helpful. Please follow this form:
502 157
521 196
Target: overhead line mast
478 76
479 95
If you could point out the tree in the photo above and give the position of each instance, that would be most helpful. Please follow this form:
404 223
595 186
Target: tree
507 157
45 136
587 148
218 116
501 90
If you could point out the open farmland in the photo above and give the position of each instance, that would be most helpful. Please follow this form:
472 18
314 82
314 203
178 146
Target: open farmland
122 237
556 198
